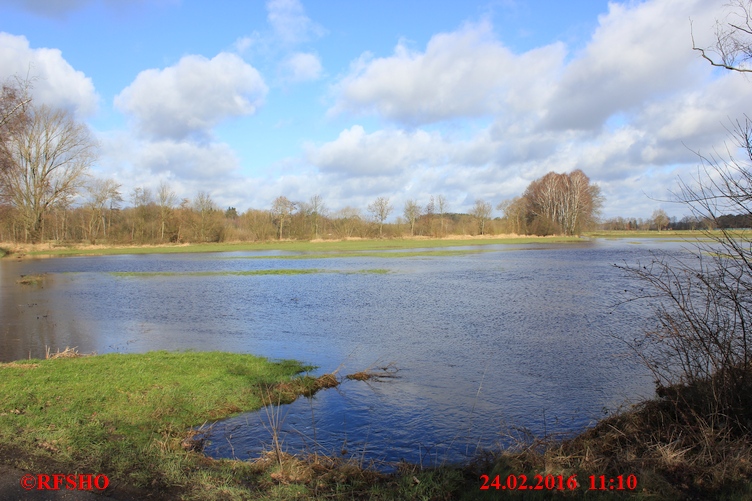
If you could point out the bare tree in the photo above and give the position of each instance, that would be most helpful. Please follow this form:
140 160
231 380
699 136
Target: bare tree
481 212
14 104
515 214
166 199
703 301
733 47
315 210
412 213
660 218
46 162
380 208
441 208
99 192
346 221
703 298
282 209
562 203
205 209
141 199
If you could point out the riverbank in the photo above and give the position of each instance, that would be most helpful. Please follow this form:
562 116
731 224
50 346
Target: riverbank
333 248
327 248
130 417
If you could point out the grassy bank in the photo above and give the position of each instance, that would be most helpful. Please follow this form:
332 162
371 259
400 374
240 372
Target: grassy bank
327 248
130 416
665 234
127 415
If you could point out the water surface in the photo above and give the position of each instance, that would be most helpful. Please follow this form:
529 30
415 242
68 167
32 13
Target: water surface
525 339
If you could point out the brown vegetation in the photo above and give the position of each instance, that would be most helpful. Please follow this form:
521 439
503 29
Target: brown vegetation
554 204
676 452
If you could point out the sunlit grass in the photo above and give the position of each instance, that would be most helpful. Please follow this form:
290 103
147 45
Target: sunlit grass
299 246
675 235
127 414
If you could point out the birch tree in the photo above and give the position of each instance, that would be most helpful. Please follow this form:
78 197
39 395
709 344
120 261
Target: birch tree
481 212
562 203
166 201
282 209
380 208
411 213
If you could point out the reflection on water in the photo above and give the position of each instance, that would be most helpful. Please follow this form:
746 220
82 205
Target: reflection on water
525 337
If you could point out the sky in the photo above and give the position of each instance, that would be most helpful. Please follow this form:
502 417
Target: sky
252 100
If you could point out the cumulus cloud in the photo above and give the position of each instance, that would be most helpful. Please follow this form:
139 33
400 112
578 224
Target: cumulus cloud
381 153
188 167
192 96
465 73
302 67
630 109
54 80
638 52
290 23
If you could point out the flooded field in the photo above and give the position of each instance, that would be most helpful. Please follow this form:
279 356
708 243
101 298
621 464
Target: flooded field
514 340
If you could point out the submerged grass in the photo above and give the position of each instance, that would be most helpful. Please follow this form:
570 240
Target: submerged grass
145 274
34 279
214 273
383 254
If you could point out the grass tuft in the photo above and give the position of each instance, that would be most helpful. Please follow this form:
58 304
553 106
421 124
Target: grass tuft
35 279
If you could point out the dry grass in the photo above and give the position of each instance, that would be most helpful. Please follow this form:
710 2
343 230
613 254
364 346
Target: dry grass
31 279
673 456
378 374
66 353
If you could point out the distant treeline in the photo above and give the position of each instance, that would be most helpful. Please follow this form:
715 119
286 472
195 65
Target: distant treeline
660 221
554 204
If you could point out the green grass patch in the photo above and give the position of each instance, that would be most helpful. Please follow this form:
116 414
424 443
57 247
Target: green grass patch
300 246
35 279
674 235
372 271
126 415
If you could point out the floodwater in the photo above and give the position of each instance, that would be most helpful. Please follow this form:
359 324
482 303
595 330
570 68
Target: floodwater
526 340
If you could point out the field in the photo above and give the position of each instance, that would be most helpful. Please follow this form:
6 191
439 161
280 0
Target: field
324 248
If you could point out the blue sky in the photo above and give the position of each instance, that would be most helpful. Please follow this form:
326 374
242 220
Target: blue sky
354 100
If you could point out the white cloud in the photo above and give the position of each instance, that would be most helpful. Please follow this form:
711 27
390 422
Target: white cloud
629 109
192 96
187 166
639 52
465 73
302 67
55 82
290 23
382 153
